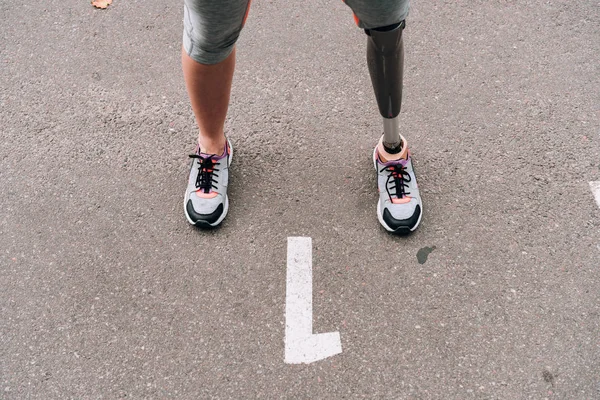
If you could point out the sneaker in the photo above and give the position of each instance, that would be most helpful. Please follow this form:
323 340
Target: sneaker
399 209
206 202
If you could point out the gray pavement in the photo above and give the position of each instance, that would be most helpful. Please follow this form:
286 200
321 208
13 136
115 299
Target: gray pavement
107 292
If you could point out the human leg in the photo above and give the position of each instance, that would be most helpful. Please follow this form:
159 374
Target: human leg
383 22
208 88
211 29
399 208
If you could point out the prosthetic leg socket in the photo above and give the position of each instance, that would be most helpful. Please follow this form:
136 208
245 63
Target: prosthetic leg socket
385 59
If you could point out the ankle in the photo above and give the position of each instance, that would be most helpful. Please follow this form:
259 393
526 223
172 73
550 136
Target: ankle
212 146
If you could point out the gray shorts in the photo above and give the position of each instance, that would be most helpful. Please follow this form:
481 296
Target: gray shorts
211 27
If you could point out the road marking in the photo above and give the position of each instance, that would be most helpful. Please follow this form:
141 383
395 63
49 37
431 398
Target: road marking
595 186
301 345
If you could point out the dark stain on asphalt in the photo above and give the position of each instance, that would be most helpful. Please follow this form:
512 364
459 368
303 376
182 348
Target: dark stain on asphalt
423 253
549 377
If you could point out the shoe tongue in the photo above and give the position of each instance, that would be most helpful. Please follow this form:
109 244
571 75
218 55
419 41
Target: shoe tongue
206 155
401 161
214 156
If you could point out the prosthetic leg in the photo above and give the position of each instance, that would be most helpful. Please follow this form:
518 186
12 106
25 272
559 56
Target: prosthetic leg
399 209
385 58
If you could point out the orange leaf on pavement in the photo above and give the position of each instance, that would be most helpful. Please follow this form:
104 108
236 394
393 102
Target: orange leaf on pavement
101 3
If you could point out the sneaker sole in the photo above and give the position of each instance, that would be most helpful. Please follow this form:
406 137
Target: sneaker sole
403 230
202 224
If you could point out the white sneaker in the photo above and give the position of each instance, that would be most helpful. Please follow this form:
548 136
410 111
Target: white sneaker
206 202
399 209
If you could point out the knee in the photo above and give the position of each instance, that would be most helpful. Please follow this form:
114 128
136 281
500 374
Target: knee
204 50
373 14
209 39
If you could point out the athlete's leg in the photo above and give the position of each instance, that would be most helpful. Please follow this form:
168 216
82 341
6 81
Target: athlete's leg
212 28
209 87
208 59
383 21
399 208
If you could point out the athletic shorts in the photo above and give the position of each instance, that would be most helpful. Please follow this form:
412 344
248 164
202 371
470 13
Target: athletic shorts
211 27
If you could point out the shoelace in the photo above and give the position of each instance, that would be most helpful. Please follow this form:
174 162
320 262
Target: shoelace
400 177
205 180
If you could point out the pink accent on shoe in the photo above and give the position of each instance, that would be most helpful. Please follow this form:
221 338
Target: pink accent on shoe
203 195
403 200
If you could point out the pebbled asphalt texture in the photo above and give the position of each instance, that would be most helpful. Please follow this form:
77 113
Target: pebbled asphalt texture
107 292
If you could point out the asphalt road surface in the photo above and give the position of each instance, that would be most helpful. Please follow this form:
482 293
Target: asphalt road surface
107 292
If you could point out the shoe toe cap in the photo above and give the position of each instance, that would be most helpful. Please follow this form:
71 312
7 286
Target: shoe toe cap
205 213
405 219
